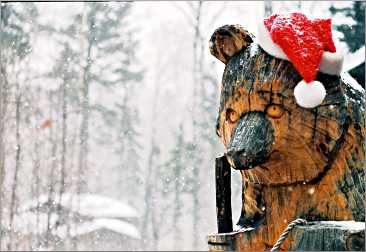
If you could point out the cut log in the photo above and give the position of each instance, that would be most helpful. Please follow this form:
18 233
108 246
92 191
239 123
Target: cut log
315 236
329 236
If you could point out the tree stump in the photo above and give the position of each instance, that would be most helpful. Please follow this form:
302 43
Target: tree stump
315 236
294 162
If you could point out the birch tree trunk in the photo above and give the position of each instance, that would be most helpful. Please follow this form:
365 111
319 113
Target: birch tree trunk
3 109
151 179
36 163
177 194
197 64
63 140
87 24
199 96
267 8
53 133
70 242
13 201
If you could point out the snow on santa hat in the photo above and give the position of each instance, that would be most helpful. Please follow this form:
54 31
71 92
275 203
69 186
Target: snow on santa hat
308 45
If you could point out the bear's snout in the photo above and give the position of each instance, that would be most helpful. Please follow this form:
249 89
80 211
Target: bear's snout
251 142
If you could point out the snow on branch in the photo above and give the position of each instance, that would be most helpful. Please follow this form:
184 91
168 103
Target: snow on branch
354 59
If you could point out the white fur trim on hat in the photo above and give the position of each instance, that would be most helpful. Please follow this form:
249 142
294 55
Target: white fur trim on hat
331 63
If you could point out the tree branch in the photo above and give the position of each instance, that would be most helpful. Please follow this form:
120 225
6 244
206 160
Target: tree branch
185 13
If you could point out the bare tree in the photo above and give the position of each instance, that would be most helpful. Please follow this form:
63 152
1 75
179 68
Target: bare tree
36 161
85 41
3 110
63 137
178 169
50 124
194 19
201 116
13 201
268 8
4 94
151 178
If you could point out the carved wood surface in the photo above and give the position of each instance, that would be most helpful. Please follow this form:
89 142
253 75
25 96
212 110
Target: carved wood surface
223 195
301 163
316 236
329 236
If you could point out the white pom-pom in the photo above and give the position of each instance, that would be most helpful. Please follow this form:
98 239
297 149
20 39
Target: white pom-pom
309 95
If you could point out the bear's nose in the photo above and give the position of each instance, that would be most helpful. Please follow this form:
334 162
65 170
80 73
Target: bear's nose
251 142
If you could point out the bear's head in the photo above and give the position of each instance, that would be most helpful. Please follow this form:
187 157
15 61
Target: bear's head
267 134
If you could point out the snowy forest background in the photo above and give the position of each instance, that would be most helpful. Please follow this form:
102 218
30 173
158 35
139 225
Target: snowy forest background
107 119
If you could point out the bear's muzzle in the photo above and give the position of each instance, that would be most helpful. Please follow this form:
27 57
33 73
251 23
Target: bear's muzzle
251 142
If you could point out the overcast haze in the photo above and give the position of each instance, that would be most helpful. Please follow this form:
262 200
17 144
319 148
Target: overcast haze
145 139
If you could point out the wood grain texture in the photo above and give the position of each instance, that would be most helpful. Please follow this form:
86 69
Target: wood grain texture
316 236
228 40
329 236
314 169
223 195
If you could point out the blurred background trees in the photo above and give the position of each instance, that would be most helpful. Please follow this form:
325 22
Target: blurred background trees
354 33
112 106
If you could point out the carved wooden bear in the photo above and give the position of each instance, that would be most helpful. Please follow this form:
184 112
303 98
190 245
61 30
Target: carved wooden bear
294 162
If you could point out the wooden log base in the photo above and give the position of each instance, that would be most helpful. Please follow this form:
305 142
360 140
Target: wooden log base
315 236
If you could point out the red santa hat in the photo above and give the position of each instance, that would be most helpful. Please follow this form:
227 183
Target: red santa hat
308 45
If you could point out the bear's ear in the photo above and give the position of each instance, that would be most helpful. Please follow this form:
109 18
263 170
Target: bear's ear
228 40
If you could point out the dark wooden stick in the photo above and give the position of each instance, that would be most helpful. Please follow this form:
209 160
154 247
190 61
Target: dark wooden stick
223 195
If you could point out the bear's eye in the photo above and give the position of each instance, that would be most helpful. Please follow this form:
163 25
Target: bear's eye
232 116
275 111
